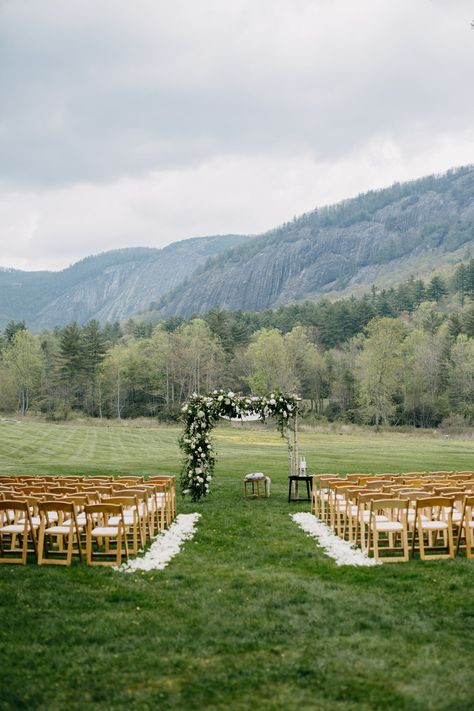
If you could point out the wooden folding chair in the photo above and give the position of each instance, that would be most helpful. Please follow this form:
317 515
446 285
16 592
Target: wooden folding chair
364 501
58 522
320 494
169 491
346 512
466 526
99 529
389 537
433 527
15 536
132 520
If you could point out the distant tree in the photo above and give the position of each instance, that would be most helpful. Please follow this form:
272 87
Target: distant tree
461 378
94 347
25 360
270 364
12 328
71 365
468 322
381 367
437 289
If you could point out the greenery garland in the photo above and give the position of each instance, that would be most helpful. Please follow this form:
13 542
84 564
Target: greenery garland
201 413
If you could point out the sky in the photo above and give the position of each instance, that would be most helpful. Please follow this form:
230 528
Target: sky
142 122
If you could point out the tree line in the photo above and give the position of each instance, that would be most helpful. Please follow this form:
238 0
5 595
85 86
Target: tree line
402 356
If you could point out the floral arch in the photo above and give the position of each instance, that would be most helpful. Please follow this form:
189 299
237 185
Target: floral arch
201 413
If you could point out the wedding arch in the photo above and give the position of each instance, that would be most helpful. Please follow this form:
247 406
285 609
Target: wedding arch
201 413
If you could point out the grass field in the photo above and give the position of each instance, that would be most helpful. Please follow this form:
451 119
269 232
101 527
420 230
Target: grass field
250 615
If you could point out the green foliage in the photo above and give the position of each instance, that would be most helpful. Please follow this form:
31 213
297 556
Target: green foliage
201 414
310 348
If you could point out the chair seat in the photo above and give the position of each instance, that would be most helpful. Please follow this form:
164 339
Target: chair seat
35 521
434 525
13 528
412 516
378 517
388 526
105 531
58 530
80 518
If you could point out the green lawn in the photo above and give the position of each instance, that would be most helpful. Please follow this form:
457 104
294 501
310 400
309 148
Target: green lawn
250 615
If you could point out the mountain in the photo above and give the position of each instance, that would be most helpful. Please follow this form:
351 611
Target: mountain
379 237
107 287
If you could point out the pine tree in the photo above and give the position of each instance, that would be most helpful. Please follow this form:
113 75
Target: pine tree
437 289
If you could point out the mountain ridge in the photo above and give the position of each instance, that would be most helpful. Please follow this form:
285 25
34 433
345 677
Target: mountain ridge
353 243
407 229
108 286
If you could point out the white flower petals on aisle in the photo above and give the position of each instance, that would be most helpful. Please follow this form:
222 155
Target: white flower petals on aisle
342 552
165 546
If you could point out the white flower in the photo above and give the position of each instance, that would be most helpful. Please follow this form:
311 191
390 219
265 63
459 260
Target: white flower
200 479
198 470
220 398
230 394
200 413
272 401
193 446
285 415
199 449
184 409
209 477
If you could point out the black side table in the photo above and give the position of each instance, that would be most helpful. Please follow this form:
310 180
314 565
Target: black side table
308 480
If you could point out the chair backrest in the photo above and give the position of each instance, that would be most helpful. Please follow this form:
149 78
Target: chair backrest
400 504
377 483
123 501
63 506
77 499
435 505
367 497
63 490
14 505
107 508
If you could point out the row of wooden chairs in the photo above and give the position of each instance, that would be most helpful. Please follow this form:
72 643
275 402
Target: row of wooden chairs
102 519
396 516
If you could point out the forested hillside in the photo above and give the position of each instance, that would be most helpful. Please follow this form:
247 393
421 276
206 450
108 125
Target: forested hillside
400 356
380 237
105 287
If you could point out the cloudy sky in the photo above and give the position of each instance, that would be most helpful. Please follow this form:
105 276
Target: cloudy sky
142 122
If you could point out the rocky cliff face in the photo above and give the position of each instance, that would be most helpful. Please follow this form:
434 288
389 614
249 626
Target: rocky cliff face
357 242
107 287
406 229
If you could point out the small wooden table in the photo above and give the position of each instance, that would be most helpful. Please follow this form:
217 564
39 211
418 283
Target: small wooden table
253 488
308 480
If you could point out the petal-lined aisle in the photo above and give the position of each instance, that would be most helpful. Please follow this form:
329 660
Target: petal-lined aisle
166 546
